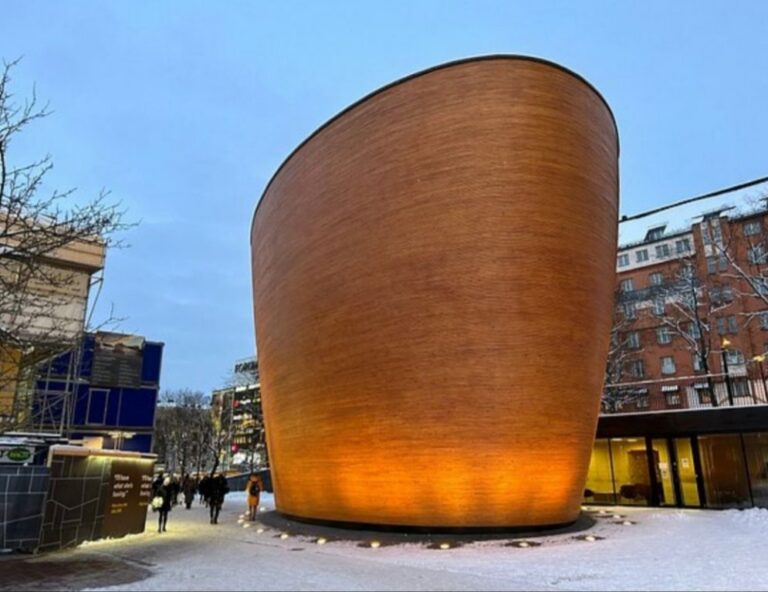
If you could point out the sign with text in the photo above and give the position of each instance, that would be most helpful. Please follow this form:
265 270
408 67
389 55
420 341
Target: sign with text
129 493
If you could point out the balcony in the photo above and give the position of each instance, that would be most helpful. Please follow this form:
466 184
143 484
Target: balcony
744 387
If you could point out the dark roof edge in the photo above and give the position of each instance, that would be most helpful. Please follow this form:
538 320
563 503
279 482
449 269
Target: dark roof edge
500 56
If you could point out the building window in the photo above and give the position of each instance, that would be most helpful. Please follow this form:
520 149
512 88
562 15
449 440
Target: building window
623 260
722 263
740 387
734 357
641 255
633 340
698 366
663 335
693 330
714 295
704 393
636 368
627 285
752 228
656 279
720 294
668 365
662 251
671 395
756 254
727 325
683 246
721 326
711 264
642 401
630 312
658 307
764 320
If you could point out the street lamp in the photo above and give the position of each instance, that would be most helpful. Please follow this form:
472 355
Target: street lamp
726 342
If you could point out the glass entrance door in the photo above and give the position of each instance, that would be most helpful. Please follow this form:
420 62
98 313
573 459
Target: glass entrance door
662 460
684 466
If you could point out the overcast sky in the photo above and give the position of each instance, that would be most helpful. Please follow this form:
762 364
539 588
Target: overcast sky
185 109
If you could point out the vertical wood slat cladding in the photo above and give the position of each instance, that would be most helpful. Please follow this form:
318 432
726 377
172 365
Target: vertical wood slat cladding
433 277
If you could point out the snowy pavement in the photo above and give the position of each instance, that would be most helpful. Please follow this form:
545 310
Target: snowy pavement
661 550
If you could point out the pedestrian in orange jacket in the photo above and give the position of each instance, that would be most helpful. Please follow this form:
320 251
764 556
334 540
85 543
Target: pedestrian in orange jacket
253 487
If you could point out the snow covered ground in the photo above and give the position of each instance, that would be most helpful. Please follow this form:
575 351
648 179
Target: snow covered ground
661 550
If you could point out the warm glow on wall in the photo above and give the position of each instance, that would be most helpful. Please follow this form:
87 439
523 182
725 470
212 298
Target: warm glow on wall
433 289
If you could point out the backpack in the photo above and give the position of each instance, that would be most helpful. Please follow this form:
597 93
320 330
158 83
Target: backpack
254 489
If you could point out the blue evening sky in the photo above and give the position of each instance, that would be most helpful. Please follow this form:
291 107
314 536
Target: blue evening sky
184 110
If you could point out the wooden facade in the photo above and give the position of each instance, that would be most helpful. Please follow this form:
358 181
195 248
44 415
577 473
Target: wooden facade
433 275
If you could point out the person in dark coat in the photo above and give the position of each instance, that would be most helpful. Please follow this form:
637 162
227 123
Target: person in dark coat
165 491
175 489
205 489
188 487
218 488
157 483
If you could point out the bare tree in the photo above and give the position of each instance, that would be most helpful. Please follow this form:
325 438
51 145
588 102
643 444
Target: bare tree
221 437
620 353
182 428
38 230
692 309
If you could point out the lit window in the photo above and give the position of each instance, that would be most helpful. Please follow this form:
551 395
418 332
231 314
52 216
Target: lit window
672 398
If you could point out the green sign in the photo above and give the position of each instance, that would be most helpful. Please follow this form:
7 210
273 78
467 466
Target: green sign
16 454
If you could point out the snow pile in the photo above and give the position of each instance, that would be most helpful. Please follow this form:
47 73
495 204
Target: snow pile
752 518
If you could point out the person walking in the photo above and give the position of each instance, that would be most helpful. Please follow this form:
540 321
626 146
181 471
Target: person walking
165 491
157 483
188 487
205 489
218 488
254 486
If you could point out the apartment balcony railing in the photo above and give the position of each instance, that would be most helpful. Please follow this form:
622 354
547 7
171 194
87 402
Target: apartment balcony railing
742 387
653 292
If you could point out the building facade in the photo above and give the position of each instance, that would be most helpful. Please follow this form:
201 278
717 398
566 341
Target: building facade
685 415
104 392
44 315
237 409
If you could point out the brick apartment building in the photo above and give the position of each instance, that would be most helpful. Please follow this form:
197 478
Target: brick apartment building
691 326
684 417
